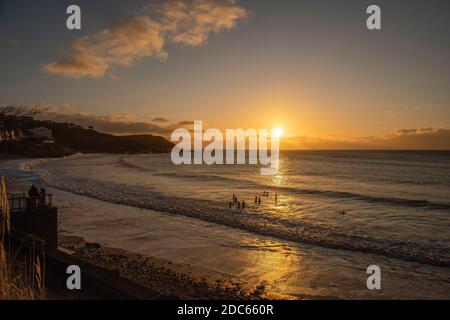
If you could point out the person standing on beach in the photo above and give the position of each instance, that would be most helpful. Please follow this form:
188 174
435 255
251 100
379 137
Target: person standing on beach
33 192
243 204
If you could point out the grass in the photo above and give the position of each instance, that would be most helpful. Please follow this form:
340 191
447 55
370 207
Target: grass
17 285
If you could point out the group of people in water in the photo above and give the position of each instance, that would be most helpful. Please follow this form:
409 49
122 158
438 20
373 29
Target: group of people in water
242 205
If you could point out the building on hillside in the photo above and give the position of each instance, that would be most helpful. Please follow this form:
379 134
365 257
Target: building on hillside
7 134
41 132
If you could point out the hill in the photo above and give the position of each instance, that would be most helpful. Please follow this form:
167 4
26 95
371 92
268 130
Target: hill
69 138
90 141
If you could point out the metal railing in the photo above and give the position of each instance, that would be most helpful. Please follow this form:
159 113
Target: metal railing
19 202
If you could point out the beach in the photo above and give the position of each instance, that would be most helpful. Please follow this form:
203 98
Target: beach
168 279
167 229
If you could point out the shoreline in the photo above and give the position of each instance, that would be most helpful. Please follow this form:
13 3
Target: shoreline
94 221
168 278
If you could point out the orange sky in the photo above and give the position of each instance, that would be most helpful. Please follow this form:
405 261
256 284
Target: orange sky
311 68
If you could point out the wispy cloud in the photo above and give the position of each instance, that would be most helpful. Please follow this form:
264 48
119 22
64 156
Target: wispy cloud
7 40
121 45
116 123
191 23
160 120
405 139
147 35
185 123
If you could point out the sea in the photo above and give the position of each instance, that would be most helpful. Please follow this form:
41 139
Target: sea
323 219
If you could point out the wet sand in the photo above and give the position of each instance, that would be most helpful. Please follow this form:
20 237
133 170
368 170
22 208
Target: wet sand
198 249
180 281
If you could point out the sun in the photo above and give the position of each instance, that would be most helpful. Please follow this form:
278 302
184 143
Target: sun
277 132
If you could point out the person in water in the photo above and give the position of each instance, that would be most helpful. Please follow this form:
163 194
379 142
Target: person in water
239 205
259 201
243 204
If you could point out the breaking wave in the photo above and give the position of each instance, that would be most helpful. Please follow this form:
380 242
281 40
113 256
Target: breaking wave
427 252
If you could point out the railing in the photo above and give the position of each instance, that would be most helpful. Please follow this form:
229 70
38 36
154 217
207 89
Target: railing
20 202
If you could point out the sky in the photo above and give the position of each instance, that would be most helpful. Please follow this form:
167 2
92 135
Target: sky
309 67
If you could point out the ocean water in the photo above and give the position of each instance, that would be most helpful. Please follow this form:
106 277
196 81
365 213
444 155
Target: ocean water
336 214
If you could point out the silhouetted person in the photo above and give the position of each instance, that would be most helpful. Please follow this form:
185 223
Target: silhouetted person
256 200
239 205
259 201
243 204
231 204
33 192
276 197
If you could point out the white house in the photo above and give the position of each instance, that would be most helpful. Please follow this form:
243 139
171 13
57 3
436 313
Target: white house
41 132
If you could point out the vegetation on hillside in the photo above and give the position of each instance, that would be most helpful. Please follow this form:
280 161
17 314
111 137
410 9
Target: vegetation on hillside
67 138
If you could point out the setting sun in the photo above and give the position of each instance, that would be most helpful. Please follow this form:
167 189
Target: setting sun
278 132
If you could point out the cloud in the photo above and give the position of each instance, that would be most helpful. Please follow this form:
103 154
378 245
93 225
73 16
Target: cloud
116 123
121 45
190 24
160 120
418 139
405 139
178 22
426 138
7 40
414 131
186 123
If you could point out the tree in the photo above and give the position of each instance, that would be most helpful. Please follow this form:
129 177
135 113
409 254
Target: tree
22 111
10 117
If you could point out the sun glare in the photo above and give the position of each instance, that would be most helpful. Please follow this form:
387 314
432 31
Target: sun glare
278 132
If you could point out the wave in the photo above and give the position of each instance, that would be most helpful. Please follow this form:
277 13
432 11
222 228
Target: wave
322 193
374 199
433 253
418 203
127 164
